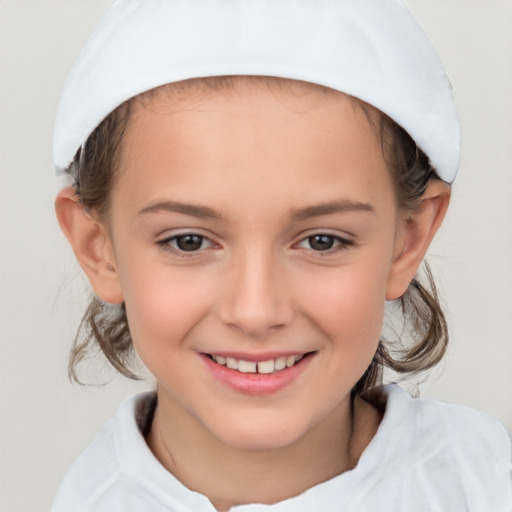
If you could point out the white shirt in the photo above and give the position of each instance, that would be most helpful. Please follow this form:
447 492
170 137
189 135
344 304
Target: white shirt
426 456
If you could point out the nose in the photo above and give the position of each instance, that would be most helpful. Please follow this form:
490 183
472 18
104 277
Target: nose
257 299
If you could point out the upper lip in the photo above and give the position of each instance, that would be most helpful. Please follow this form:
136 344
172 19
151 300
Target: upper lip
259 357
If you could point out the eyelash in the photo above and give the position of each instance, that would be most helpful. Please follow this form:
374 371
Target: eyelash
166 244
338 244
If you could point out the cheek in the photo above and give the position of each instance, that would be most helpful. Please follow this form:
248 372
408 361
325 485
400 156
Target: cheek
348 306
162 307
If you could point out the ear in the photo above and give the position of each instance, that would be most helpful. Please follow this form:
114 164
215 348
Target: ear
91 244
416 230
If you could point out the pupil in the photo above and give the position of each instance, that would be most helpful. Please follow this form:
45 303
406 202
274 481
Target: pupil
189 242
321 242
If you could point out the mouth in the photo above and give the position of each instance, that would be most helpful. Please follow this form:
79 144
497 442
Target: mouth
266 367
260 374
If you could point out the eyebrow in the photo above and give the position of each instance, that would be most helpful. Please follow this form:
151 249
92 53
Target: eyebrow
204 212
340 206
201 212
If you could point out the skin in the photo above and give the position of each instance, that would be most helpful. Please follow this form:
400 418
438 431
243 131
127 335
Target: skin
262 161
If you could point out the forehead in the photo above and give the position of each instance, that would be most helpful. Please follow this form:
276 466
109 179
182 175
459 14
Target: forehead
294 93
248 131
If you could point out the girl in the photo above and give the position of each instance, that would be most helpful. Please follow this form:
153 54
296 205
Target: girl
252 182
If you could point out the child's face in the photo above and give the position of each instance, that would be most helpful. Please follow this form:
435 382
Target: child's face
255 225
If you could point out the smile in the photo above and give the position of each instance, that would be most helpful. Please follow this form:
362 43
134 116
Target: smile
262 367
261 374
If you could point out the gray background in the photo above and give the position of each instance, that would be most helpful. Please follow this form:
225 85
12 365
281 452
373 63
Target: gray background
44 420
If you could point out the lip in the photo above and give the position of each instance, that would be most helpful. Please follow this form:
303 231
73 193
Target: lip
255 383
257 358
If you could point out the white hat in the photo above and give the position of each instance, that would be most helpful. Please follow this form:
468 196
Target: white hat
371 49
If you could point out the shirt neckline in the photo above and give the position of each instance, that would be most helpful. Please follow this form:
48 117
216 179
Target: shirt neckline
134 417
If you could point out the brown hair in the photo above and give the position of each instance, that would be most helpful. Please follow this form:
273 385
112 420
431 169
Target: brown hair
423 335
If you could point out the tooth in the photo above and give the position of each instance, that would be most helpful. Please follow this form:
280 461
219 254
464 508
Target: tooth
290 361
246 366
280 363
298 358
232 363
220 360
266 366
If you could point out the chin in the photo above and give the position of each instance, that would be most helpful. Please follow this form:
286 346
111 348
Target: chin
261 435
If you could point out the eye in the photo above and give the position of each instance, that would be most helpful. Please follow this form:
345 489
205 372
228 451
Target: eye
323 242
188 242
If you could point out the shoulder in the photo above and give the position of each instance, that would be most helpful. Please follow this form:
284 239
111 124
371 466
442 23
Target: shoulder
447 425
454 452
98 479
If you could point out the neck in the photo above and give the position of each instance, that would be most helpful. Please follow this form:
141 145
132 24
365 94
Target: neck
231 476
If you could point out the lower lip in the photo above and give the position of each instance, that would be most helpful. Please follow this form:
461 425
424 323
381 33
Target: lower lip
257 383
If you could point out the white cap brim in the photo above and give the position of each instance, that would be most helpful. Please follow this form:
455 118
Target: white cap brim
371 49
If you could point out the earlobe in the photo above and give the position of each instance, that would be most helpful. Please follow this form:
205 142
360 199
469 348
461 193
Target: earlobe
91 244
415 235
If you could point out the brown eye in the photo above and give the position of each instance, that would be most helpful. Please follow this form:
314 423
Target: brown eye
324 242
188 242
321 242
